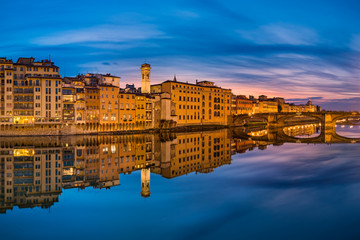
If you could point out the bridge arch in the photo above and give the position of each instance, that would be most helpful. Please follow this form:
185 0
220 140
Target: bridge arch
281 120
345 115
237 119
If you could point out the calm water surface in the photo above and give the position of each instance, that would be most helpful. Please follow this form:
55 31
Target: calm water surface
227 189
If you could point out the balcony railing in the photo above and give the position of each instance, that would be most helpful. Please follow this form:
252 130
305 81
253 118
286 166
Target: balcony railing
25 91
23 100
23 108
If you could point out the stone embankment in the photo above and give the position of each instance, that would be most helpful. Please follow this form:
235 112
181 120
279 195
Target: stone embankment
68 130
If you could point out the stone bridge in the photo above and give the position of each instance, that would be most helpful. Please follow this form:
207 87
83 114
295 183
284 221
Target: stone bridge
276 124
277 135
277 120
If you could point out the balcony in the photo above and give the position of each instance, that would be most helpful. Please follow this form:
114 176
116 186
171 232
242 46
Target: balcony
23 108
23 91
23 114
23 100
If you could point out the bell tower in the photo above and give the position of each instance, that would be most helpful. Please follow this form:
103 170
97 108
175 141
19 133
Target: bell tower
145 78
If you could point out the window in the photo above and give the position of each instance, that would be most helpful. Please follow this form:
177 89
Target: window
113 149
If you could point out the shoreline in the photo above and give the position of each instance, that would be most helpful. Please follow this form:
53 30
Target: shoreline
177 129
31 131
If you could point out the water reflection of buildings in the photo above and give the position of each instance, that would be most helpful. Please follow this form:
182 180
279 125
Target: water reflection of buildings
30 176
193 152
33 173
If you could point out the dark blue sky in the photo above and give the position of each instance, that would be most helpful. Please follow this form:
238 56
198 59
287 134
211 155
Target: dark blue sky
293 49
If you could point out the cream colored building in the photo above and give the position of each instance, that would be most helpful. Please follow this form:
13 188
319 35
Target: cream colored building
30 92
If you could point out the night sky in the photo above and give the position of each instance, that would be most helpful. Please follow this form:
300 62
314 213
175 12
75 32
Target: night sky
292 49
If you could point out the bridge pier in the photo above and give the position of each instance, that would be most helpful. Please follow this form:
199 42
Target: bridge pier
273 134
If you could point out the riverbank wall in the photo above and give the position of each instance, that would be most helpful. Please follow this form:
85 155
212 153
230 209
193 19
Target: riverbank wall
96 129
81 129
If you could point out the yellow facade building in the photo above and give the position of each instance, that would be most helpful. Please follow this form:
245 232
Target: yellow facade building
140 111
92 104
200 103
109 107
127 110
268 107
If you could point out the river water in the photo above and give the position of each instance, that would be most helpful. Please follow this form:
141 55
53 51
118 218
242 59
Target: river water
205 185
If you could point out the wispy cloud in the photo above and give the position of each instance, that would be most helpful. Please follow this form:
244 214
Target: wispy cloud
281 34
102 33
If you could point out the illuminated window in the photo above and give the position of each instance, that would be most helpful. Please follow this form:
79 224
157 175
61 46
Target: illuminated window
113 149
105 150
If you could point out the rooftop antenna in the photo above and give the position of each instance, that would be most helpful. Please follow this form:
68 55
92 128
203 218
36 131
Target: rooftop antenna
49 58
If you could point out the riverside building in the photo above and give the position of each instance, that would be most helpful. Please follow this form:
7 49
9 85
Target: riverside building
30 92
243 105
200 103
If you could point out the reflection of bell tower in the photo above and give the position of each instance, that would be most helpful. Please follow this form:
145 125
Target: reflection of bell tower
145 182
145 78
